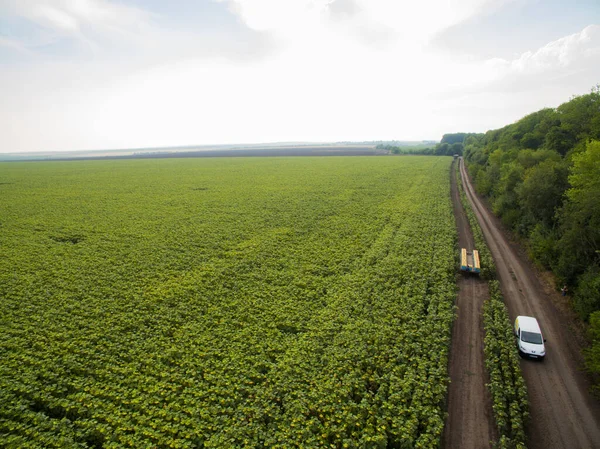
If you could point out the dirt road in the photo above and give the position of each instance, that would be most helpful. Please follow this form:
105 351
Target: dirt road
563 413
470 423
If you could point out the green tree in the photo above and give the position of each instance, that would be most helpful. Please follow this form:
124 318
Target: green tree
559 140
592 359
505 201
541 192
457 148
453 138
580 217
442 149
529 158
542 244
587 296
580 117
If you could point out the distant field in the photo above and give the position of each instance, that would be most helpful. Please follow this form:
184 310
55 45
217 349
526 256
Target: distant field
262 302
204 151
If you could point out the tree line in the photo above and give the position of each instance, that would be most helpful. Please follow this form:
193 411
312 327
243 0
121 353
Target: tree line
450 145
542 178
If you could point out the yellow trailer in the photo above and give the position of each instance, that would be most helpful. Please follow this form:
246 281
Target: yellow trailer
469 261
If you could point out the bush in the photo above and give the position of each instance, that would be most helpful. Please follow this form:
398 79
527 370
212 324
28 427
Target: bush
592 355
542 245
587 295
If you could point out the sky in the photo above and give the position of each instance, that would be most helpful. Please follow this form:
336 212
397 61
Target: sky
114 74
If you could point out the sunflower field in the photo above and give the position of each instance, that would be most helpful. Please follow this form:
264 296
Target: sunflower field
223 303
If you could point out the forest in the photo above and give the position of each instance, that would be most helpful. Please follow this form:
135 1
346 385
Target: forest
450 145
541 176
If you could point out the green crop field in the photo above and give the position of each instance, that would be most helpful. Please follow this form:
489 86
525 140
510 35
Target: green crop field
220 303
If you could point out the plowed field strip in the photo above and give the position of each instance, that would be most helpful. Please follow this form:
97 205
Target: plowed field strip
470 421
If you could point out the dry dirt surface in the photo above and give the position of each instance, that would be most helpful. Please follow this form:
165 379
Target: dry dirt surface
470 423
563 413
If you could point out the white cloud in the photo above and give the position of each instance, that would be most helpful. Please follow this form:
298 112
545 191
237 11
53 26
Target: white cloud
119 34
71 14
416 20
343 70
579 49
55 18
265 15
14 45
500 91
573 55
85 20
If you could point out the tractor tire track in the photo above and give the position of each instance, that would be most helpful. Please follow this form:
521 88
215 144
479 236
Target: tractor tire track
470 423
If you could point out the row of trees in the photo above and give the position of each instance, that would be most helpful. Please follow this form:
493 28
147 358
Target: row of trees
542 177
450 145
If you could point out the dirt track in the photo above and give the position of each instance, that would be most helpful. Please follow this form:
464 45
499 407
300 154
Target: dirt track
470 423
563 414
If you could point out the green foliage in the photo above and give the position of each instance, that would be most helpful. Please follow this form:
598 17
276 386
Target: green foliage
454 138
541 192
443 149
587 296
423 150
291 302
507 386
579 244
483 183
524 167
542 177
529 158
542 245
457 148
592 354
450 145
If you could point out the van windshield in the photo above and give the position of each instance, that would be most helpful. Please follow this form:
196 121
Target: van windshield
531 337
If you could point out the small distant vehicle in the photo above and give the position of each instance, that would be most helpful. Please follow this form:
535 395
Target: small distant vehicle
456 156
469 261
529 338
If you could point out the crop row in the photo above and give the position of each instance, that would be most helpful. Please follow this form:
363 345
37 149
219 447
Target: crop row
226 303
507 386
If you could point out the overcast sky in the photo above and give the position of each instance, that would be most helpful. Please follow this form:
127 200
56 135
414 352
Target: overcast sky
98 74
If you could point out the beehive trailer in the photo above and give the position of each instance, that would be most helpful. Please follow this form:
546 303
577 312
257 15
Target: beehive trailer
469 261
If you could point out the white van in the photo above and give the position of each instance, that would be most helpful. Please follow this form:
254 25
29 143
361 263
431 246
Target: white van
529 337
